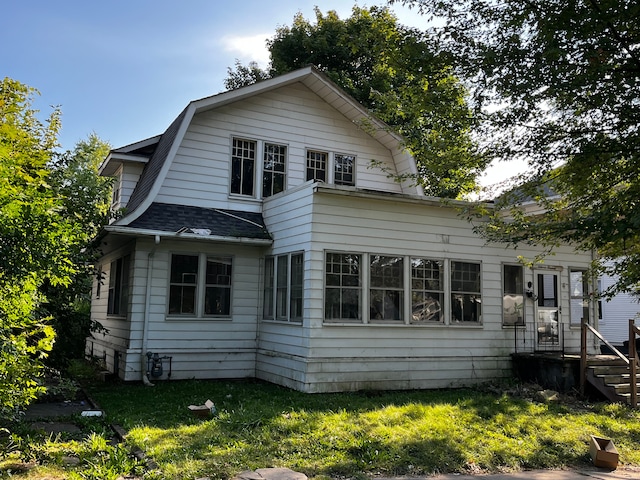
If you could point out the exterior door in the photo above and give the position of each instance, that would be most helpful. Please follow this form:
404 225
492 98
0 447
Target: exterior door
547 314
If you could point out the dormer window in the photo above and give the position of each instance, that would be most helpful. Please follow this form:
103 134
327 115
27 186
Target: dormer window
317 165
115 193
243 166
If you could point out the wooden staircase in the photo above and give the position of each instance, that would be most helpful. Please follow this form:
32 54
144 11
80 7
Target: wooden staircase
610 376
616 376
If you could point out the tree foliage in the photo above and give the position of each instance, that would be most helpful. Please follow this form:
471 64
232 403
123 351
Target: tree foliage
559 82
36 241
85 198
396 72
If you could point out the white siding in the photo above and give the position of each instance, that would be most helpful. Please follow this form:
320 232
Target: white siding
294 116
345 357
616 313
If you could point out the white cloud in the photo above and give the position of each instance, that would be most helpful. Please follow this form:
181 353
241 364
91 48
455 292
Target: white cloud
251 48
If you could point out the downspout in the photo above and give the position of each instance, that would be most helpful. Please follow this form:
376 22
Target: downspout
147 306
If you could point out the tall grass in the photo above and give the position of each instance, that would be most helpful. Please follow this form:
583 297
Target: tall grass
358 434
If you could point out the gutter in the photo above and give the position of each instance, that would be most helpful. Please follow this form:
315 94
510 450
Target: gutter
123 230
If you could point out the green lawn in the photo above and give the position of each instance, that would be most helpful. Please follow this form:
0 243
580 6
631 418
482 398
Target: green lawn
361 434
392 433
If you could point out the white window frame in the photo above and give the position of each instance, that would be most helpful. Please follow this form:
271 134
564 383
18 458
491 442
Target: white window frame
584 298
278 287
272 172
364 290
334 167
313 151
119 285
201 287
256 167
514 305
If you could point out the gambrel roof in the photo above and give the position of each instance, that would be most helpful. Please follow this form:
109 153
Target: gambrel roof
166 146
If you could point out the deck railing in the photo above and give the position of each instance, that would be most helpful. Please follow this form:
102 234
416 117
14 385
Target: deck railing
631 361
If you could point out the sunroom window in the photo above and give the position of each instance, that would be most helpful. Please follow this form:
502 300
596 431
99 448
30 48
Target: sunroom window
466 299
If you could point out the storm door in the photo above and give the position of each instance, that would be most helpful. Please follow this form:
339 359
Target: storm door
548 321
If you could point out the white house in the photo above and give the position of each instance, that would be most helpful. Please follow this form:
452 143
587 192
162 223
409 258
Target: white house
259 240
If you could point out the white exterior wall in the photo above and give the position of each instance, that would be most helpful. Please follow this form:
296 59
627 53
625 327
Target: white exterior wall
370 356
293 116
103 346
199 347
616 313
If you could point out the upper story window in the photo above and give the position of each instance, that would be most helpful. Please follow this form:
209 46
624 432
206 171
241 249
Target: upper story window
243 166
344 169
317 165
274 169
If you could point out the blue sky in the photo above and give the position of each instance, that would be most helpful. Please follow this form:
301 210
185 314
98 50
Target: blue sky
124 69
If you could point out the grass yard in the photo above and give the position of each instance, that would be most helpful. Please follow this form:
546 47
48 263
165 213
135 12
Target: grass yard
357 434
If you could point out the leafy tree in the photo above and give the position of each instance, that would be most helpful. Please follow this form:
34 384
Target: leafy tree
36 242
85 197
396 72
559 82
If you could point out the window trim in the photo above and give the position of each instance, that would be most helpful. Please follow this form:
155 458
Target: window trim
523 321
353 170
273 173
585 297
272 290
200 292
364 289
256 167
120 288
315 170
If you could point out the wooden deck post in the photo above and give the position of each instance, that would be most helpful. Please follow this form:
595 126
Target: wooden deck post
583 355
633 362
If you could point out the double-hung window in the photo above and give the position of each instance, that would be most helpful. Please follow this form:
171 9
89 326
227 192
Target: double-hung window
317 165
343 287
283 287
386 292
200 285
344 169
579 293
512 295
466 298
274 169
427 290
118 287
243 166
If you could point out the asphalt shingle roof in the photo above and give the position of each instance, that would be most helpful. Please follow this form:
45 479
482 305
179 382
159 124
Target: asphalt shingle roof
205 221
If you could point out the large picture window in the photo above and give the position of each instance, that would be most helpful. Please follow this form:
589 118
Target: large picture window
200 286
512 295
274 169
243 165
427 290
283 287
387 288
343 294
118 287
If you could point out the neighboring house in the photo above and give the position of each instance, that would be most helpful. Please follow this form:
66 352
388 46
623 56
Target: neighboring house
616 313
259 240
